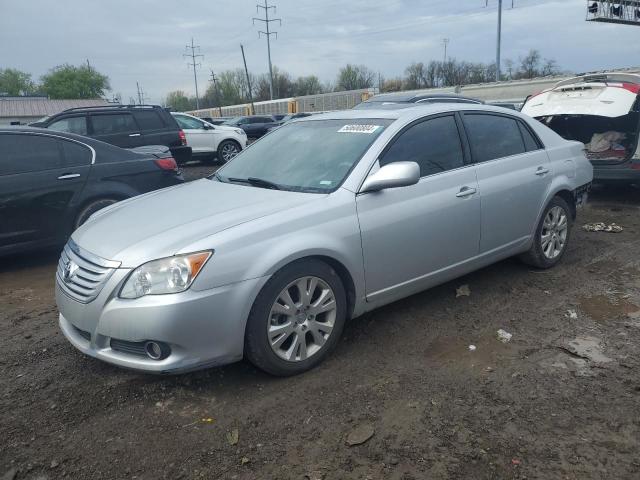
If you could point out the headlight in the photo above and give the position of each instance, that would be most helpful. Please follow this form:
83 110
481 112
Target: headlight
239 131
166 275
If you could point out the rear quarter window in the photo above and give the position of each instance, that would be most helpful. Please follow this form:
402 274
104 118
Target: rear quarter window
531 143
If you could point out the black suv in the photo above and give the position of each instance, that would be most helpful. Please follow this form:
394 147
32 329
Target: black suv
127 126
253 125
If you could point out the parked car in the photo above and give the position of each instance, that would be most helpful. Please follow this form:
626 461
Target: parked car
210 142
278 116
125 126
409 99
603 112
323 220
52 182
254 126
288 118
216 120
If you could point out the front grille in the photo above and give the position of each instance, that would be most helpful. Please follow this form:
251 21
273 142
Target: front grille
132 348
81 274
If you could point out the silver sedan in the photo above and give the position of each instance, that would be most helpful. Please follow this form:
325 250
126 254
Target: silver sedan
319 222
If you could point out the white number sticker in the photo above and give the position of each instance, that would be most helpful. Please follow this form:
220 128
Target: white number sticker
368 129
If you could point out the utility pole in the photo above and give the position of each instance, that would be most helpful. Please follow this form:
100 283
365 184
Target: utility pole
246 71
194 64
499 40
267 21
445 42
217 92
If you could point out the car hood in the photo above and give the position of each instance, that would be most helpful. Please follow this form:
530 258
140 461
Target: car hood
160 223
227 128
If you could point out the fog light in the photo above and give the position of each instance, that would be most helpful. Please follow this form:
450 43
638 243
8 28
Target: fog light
156 351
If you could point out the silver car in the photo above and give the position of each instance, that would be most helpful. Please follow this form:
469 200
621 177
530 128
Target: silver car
321 221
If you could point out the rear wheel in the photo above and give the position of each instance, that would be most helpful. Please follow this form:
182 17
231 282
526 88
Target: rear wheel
552 235
92 208
296 319
227 150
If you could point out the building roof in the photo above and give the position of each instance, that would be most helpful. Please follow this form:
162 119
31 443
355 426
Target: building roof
41 106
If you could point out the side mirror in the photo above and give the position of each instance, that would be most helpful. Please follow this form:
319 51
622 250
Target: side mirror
393 175
206 126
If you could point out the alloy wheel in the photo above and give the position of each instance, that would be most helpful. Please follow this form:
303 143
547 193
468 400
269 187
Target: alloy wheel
554 232
301 319
229 151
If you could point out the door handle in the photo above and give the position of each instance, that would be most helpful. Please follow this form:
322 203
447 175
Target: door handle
67 176
465 192
134 134
542 171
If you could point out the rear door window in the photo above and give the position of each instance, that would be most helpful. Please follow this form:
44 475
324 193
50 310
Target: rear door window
113 123
75 154
148 120
434 144
22 153
493 136
76 125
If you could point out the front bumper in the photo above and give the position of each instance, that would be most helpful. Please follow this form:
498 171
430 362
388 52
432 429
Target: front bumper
202 328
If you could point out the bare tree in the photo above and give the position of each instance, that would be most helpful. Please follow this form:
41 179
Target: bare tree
355 77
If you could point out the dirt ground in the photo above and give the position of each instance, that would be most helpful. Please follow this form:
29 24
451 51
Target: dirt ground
559 401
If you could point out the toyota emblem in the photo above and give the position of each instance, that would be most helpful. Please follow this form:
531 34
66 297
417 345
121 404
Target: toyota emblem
69 271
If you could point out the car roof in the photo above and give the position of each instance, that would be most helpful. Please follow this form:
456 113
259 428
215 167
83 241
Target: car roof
53 133
410 113
411 97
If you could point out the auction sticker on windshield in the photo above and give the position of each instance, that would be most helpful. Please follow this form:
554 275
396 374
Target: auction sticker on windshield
369 129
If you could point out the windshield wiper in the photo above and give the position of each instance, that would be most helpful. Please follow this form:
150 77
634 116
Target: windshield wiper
256 182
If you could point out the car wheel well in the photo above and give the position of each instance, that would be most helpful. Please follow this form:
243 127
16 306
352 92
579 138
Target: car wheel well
96 198
345 277
568 197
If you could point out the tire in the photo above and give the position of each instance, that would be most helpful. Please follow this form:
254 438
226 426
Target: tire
227 150
258 342
546 255
92 208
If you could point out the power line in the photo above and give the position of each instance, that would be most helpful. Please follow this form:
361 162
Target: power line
499 40
246 71
194 64
267 22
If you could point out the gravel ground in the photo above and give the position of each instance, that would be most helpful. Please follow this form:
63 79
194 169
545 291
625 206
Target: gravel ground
560 400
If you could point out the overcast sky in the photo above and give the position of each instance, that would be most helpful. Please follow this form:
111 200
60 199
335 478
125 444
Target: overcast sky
143 40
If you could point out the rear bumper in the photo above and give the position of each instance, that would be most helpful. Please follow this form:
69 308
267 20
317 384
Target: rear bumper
616 173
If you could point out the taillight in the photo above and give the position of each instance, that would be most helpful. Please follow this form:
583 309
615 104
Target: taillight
632 87
183 137
167 163
635 166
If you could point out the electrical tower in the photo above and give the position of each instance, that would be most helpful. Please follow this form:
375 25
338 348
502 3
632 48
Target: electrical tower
621 12
267 22
140 94
194 64
445 42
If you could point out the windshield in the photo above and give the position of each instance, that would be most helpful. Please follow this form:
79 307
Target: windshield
312 156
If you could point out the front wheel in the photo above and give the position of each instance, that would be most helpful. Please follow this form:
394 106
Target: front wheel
227 150
552 235
296 319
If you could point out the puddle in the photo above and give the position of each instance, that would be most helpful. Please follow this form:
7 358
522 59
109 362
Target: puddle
455 352
602 308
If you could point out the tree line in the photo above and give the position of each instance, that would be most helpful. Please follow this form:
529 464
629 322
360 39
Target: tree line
232 87
61 82
69 81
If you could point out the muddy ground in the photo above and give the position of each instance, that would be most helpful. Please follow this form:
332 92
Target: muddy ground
560 400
